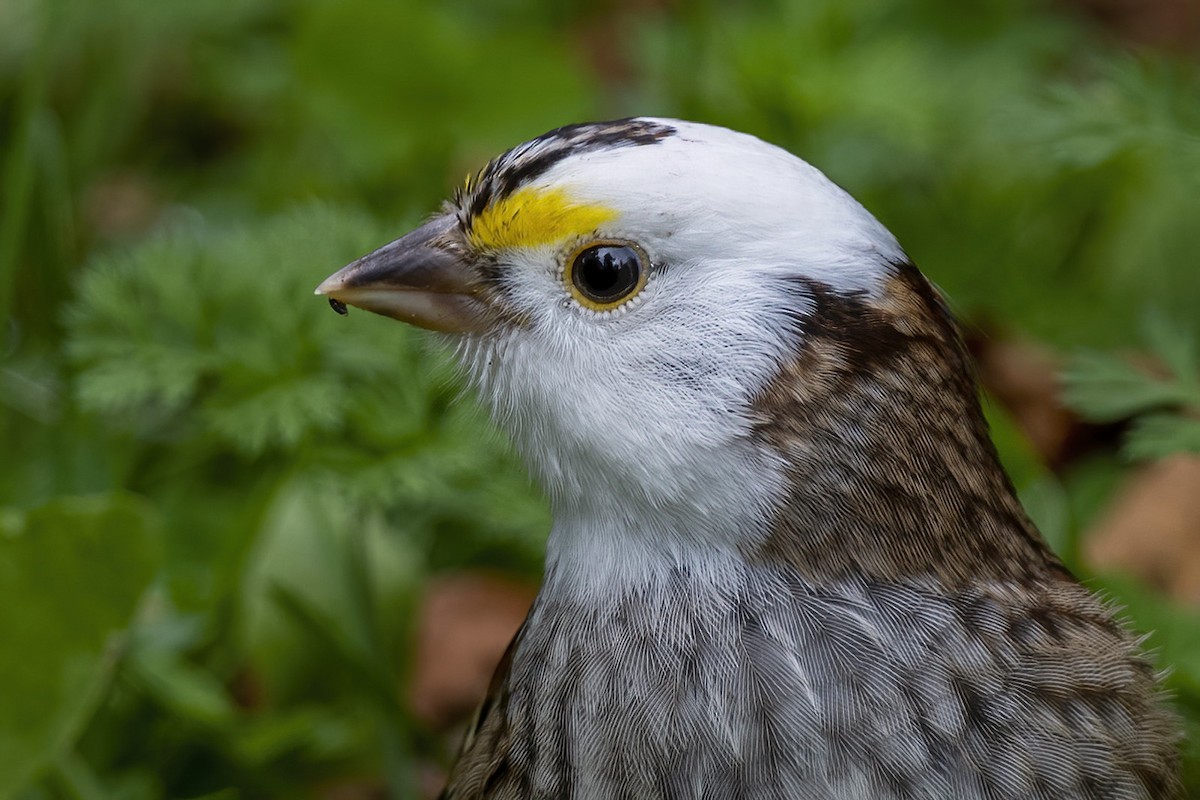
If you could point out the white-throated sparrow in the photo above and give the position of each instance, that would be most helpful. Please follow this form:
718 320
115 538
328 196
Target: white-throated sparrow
785 560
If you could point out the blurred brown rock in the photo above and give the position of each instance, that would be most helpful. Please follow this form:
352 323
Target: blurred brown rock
1152 529
465 624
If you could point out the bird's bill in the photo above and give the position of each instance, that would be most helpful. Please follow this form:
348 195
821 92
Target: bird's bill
415 279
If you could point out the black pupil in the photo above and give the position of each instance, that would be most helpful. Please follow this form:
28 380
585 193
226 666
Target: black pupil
606 273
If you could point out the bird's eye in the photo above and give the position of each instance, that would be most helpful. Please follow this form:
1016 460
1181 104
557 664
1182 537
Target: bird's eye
604 276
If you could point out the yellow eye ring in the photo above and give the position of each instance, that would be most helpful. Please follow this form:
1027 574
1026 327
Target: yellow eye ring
605 275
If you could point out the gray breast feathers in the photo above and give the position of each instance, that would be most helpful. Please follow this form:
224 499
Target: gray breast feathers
864 690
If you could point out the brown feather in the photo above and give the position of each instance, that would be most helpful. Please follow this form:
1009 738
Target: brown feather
892 472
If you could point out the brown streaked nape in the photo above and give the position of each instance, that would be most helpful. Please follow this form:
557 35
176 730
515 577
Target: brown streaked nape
891 472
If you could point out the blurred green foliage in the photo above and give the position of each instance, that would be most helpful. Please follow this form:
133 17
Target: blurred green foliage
212 482
73 571
1165 407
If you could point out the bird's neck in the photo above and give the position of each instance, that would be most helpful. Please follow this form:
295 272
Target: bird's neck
867 457
890 468
617 535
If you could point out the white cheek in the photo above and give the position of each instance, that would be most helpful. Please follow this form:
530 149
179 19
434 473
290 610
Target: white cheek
637 425
682 363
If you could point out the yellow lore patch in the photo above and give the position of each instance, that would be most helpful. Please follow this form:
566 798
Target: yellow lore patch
531 217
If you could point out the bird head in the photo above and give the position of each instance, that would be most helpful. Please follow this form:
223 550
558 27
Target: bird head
700 344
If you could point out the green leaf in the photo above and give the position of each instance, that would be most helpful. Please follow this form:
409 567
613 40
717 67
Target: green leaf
323 733
184 688
1161 435
1176 346
71 575
1105 388
350 655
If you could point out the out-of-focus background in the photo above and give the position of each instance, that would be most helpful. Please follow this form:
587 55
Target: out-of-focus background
250 549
